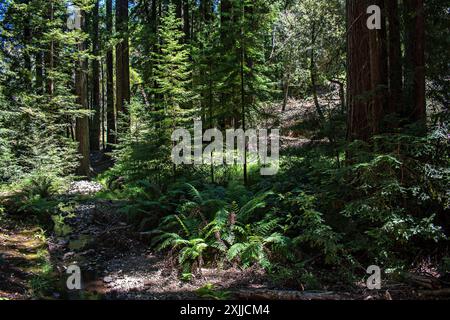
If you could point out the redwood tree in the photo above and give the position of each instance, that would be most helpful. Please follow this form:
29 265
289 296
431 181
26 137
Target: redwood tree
366 72
395 57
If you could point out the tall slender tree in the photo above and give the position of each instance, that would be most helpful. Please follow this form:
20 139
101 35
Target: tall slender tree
95 121
82 122
110 112
122 57
50 53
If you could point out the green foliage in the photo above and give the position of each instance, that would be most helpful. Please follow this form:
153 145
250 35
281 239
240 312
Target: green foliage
209 291
333 205
222 226
172 68
35 151
60 227
43 282
145 149
388 199
36 199
401 188
311 227
309 39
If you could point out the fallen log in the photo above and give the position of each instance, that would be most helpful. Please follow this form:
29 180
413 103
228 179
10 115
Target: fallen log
435 293
266 294
424 281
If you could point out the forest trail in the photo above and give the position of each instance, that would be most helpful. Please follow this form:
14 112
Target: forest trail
21 252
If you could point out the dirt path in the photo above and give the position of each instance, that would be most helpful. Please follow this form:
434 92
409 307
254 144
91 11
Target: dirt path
22 258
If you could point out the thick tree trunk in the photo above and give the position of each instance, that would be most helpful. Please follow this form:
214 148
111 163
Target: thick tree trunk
110 113
82 123
395 57
122 57
95 123
378 72
366 75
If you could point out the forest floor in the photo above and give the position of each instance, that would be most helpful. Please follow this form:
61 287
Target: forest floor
116 262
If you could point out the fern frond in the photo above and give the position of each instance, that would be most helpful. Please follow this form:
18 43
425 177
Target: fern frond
195 194
235 250
255 203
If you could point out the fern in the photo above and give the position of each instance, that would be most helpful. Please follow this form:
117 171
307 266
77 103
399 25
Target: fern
257 202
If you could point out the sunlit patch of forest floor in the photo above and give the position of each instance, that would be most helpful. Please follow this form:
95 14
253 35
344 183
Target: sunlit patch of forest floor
24 262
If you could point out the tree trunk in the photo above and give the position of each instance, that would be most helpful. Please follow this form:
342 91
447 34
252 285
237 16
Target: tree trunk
122 57
378 72
178 8
206 9
341 93
395 58
82 123
226 45
49 55
27 37
110 114
365 73
95 123
416 52
313 74
103 109
243 94
286 83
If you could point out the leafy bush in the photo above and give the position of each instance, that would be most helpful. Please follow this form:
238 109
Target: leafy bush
208 230
400 192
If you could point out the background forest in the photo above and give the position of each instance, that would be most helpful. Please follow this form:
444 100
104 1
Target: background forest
363 114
